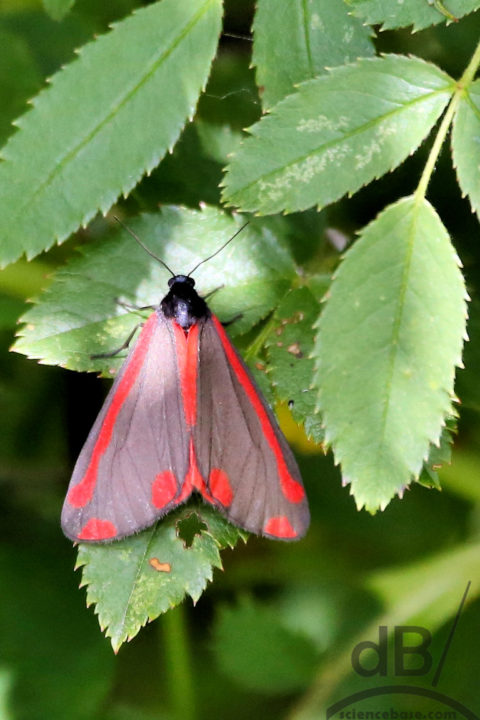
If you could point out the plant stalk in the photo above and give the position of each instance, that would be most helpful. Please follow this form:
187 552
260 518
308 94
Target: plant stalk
178 666
461 87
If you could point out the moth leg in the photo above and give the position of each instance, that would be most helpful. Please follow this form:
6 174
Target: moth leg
131 306
122 347
232 320
212 292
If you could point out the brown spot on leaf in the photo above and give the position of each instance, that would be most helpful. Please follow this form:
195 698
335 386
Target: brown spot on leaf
295 349
159 566
260 366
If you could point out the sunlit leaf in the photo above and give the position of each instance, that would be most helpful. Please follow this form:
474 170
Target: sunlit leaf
107 118
295 41
337 133
78 315
389 339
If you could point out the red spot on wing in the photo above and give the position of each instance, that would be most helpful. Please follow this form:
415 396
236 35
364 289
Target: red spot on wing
82 493
96 529
220 487
164 489
291 488
279 526
187 358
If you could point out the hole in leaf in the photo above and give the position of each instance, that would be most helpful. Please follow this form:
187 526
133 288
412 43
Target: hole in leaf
190 526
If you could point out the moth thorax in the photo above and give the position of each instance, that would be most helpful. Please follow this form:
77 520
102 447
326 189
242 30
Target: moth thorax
183 313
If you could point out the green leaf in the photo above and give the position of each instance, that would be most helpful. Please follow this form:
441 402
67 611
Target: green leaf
108 118
291 366
57 9
296 41
135 580
466 144
78 314
389 340
419 13
337 133
284 660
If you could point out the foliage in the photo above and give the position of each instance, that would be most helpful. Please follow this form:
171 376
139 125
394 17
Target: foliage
348 133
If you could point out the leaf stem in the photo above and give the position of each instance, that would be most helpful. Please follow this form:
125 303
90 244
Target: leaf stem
178 668
461 86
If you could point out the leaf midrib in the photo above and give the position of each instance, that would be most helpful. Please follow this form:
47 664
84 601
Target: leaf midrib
155 64
141 564
308 47
397 323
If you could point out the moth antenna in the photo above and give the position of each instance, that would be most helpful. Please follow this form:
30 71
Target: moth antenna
135 237
219 249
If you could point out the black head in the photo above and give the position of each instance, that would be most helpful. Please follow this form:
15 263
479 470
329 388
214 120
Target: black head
182 303
181 279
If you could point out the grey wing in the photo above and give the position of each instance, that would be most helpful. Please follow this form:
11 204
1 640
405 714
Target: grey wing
249 470
133 464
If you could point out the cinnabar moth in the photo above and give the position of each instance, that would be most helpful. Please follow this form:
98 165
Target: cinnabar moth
184 414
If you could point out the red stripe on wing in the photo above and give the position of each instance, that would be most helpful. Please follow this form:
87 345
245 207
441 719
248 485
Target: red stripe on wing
291 488
186 346
82 493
